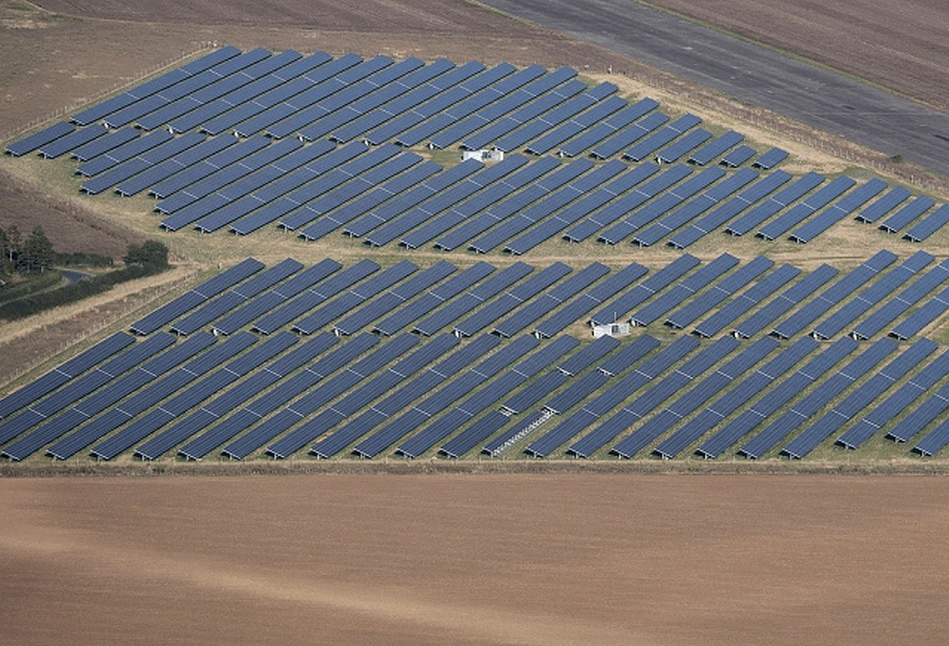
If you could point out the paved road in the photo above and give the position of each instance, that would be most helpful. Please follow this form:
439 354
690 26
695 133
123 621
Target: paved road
72 276
823 99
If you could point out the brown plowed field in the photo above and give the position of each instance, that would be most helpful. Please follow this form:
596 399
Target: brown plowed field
546 559
899 45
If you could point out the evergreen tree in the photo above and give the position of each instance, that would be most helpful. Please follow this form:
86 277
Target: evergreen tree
39 251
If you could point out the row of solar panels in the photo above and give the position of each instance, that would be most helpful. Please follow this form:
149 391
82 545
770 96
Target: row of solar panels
385 195
370 396
380 100
724 295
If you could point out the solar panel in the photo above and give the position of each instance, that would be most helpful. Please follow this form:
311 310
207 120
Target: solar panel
575 310
647 402
512 205
694 207
314 181
247 290
142 423
811 204
775 398
607 128
689 142
911 425
624 138
552 138
477 296
736 205
872 296
774 204
436 226
516 118
232 399
39 139
483 398
155 85
538 211
141 163
102 145
712 150
187 171
788 299
738 156
358 207
188 86
896 403
229 176
69 370
907 214
71 141
735 308
253 116
454 98
563 292
267 184
935 441
509 102
838 211
510 300
402 398
482 180
902 302
922 316
434 298
388 95
857 401
649 145
551 226
932 223
833 295
355 400
76 389
618 208
170 311
343 303
313 401
771 159
726 288
685 289
402 204
457 387
884 205
809 406
689 402
626 302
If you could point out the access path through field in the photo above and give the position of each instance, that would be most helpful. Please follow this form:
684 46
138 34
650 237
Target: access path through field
467 559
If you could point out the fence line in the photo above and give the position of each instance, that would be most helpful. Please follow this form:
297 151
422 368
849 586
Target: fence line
120 85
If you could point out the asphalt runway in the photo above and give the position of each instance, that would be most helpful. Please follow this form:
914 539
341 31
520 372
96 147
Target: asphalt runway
816 96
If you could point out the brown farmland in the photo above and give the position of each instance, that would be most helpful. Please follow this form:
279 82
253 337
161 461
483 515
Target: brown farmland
541 559
899 45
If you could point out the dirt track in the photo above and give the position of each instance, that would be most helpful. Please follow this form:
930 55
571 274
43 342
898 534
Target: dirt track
475 560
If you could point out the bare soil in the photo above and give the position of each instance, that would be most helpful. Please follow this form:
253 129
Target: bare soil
69 227
517 559
899 45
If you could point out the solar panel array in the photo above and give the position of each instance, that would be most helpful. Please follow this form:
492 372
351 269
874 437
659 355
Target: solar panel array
335 360
316 144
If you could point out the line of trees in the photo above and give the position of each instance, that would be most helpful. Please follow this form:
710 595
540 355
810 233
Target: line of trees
35 253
